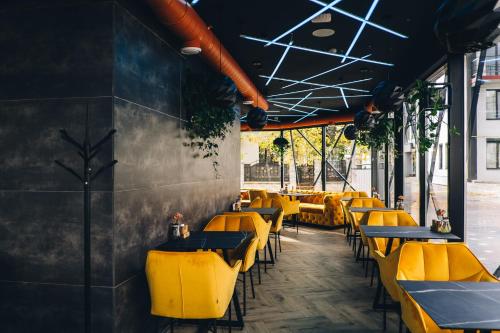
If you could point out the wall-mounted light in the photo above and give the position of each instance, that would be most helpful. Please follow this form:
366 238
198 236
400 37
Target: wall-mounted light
191 47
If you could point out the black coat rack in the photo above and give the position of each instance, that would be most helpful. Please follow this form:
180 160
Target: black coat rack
87 151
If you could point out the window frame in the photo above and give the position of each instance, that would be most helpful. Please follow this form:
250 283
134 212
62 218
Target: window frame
496 142
497 106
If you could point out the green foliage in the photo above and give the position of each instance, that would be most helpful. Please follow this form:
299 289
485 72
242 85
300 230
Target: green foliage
209 122
378 136
431 97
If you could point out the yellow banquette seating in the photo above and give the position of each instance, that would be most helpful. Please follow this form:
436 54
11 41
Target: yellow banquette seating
327 212
355 194
419 261
190 285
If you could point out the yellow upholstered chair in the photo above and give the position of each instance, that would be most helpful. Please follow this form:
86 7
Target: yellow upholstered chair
190 285
277 225
261 227
247 254
256 203
355 194
420 261
356 217
257 194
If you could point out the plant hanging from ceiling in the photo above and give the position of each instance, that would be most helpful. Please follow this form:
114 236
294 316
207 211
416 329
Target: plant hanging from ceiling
210 102
379 135
425 106
280 145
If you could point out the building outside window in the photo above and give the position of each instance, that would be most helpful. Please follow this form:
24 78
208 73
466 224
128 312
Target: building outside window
493 153
492 103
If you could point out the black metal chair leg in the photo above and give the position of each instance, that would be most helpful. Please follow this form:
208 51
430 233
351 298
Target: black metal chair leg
172 325
366 266
251 282
400 321
358 254
276 246
354 243
230 322
279 240
258 265
374 264
265 259
244 293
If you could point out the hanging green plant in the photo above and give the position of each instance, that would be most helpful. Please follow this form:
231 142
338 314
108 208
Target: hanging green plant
379 135
280 145
210 103
425 106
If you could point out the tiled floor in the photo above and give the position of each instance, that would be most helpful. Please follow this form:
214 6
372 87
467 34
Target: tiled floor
315 287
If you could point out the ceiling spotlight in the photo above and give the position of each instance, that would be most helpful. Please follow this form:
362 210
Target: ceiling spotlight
332 50
191 47
323 32
322 18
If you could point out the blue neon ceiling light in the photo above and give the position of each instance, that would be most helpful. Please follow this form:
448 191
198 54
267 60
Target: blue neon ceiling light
287 106
307 115
344 98
360 30
492 60
305 21
300 102
319 88
337 86
194 2
287 115
306 49
319 97
325 72
360 19
279 62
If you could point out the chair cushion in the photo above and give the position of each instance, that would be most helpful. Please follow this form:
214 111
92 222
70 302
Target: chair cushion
311 208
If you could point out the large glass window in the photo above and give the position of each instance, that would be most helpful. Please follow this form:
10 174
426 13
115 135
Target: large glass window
492 103
482 229
493 153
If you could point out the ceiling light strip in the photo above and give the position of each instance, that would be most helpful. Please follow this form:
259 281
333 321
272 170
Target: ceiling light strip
306 49
287 115
360 19
299 102
305 21
318 97
337 86
325 72
307 115
344 98
279 62
360 30
287 106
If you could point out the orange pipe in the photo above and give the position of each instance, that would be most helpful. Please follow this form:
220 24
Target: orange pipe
332 120
183 20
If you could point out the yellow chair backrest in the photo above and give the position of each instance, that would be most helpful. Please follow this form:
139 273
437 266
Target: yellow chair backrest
434 262
249 255
190 285
355 194
230 223
257 194
256 203
363 203
385 218
440 262
262 227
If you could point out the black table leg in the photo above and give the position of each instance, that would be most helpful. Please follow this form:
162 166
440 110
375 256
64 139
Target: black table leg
270 251
389 247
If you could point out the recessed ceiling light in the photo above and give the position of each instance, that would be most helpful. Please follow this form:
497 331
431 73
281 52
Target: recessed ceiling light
322 18
332 50
323 32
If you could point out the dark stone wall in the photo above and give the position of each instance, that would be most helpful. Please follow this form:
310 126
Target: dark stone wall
62 57
157 175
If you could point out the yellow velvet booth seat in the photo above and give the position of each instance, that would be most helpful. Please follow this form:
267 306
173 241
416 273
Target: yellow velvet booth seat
257 194
354 218
256 203
190 285
259 225
418 261
328 213
355 194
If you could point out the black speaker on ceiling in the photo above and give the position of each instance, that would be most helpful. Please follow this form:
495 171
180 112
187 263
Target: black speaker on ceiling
256 118
350 132
464 26
387 97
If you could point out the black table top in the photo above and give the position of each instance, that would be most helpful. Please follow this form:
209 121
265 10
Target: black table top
261 211
207 240
404 232
458 305
369 209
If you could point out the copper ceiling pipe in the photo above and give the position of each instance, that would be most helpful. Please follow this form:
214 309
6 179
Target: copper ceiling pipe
183 20
332 120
